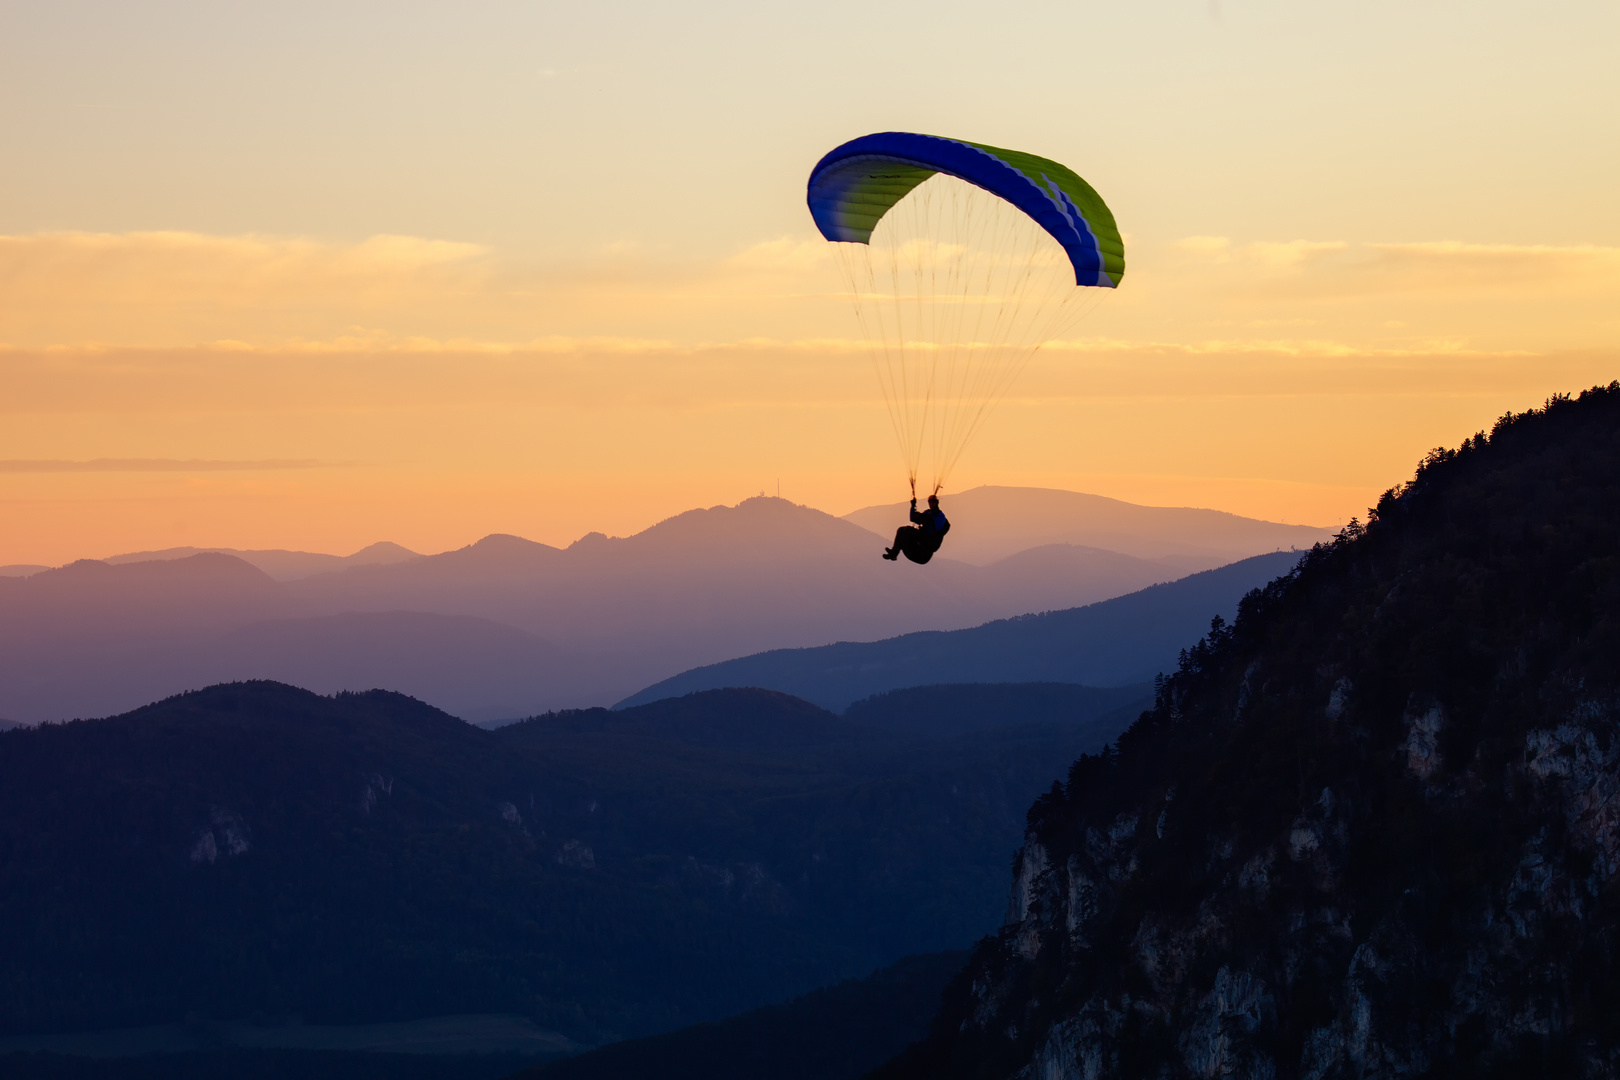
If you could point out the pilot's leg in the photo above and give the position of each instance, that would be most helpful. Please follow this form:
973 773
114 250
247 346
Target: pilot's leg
904 540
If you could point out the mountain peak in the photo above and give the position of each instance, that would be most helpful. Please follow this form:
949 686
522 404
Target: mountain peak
501 547
750 527
383 551
271 704
505 542
199 566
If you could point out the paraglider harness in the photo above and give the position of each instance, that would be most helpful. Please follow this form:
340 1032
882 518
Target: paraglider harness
919 541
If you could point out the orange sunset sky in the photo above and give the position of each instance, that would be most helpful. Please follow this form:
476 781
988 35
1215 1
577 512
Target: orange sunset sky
313 275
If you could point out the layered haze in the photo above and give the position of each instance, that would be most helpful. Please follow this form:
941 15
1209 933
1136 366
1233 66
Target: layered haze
508 627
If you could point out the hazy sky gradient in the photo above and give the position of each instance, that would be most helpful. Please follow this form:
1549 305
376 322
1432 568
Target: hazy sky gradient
546 268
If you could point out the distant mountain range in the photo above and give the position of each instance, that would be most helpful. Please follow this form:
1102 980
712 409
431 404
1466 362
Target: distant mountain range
285 565
278 564
508 627
1113 643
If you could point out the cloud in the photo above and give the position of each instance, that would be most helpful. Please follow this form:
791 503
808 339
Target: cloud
185 465
174 264
402 295
1436 268
1292 347
1294 253
1213 246
173 289
1497 267
1268 254
783 253
179 287
367 343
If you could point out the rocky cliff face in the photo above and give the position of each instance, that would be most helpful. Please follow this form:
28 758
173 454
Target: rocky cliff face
1371 829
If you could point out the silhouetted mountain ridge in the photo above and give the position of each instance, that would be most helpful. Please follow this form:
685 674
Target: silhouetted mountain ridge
87 599
280 564
745 718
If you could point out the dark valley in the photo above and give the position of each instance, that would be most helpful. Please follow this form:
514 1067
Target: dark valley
257 851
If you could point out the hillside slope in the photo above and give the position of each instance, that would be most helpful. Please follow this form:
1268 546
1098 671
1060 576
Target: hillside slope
835 1033
1372 829
1113 643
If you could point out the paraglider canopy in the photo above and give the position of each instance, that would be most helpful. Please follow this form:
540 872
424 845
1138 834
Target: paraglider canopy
963 260
855 185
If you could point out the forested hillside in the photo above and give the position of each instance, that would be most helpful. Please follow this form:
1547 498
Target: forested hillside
835 1033
257 851
1370 829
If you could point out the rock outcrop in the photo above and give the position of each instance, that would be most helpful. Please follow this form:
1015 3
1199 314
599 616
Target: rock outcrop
1372 829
